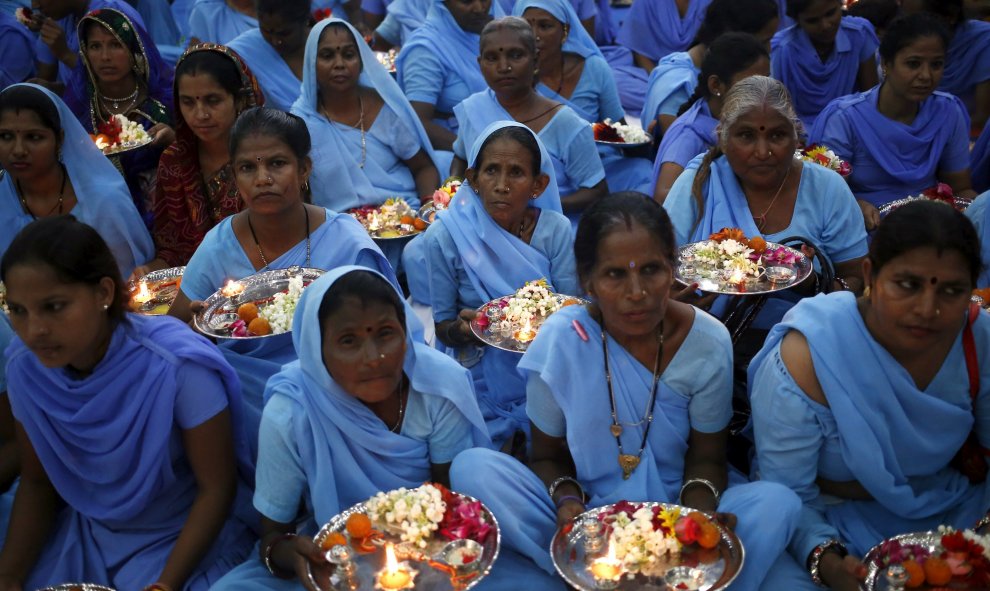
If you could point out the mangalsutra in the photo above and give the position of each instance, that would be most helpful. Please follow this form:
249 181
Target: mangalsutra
58 204
761 220
402 405
360 124
261 253
629 462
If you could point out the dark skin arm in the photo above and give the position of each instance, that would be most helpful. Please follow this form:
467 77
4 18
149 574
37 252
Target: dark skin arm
36 506
981 105
441 137
644 62
425 173
10 463
457 332
210 450
583 198
551 459
960 181
866 77
705 458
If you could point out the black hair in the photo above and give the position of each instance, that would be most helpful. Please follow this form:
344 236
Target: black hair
15 98
878 12
619 211
906 30
264 121
514 24
221 68
925 223
74 251
518 134
950 11
747 16
728 55
365 287
796 7
296 11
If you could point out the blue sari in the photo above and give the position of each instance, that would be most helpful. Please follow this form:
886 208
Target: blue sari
979 214
967 61
896 441
472 259
215 22
979 161
111 445
68 23
891 160
691 134
340 240
402 19
277 81
812 83
767 512
825 212
671 85
338 451
17 49
595 97
655 28
102 198
339 181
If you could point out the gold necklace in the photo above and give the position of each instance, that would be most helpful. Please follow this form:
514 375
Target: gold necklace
364 144
629 462
761 220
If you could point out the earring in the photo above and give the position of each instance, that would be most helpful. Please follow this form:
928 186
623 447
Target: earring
305 187
866 291
718 94
769 152
106 307
59 154
381 356
938 311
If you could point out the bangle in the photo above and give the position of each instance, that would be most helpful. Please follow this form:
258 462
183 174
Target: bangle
564 498
815 559
703 482
842 282
270 550
982 523
563 479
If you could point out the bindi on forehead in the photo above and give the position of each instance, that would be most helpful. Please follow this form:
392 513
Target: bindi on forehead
934 280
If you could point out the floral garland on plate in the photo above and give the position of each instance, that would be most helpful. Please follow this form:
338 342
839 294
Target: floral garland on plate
963 556
611 131
822 155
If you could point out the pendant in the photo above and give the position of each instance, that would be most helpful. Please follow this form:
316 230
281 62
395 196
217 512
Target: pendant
616 430
628 463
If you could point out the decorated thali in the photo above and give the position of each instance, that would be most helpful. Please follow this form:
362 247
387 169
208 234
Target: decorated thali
153 294
511 323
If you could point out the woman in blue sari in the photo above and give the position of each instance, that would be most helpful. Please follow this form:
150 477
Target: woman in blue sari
750 180
487 244
979 213
62 173
967 60
508 62
634 347
436 81
675 78
276 230
574 72
860 405
220 21
125 75
824 56
731 58
368 143
274 51
654 29
903 136
979 161
17 47
134 466
330 440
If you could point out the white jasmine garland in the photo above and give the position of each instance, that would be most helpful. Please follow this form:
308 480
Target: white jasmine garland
414 513
637 544
130 131
279 313
629 133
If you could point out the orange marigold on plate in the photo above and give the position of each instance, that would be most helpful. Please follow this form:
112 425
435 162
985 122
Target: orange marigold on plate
758 244
728 234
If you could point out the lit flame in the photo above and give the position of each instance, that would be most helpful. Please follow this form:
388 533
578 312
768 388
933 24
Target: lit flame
143 294
232 288
610 555
391 564
607 567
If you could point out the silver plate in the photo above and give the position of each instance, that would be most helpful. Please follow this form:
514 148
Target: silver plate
163 287
567 551
127 146
508 342
627 144
428 577
689 271
77 587
219 310
428 213
960 203
375 235
874 574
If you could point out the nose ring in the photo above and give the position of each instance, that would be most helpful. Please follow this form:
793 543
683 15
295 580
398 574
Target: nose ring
769 152
269 179
381 356
938 312
508 69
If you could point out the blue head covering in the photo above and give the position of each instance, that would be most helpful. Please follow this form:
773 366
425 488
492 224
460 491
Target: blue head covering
103 200
967 60
334 162
654 28
276 78
460 49
348 452
578 40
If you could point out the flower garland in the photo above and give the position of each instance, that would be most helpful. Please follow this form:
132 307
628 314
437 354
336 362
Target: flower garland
823 156
391 219
609 131
963 556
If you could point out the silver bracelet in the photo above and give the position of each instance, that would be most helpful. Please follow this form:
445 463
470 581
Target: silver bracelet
703 482
815 560
564 479
843 283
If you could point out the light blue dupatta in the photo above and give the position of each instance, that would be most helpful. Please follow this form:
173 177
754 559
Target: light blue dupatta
277 81
348 454
338 180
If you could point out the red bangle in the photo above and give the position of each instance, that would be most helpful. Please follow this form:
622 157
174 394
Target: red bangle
269 550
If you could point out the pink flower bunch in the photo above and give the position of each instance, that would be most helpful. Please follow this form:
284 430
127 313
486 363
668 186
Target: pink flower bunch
464 520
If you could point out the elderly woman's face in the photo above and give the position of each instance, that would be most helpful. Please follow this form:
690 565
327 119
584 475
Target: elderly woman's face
505 180
760 147
109 59
470 15
286 36
364 347
506 63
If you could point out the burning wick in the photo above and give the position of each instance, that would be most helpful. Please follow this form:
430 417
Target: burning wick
143 294
394 576
232 288
607 568
526 333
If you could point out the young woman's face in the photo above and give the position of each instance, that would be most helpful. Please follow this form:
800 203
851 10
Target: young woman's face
207 108
110 60
28 148
917 69
470 15
338 61
286 36
505 180
820 21
548 30
364 347
630 281
506 63
268 174
61 323
918 299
